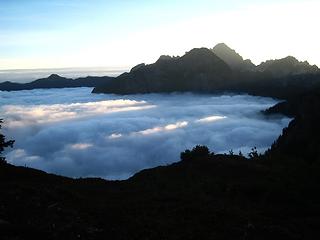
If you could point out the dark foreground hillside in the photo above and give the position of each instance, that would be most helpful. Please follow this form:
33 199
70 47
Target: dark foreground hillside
204 196
221 197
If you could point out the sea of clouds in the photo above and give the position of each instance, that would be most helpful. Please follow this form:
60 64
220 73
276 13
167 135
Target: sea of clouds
75 133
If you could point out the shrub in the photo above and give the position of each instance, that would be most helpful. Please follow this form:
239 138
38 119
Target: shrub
254 153
4 144
196 153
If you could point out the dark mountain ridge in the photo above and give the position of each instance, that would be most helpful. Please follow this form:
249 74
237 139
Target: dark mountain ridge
301 138
287 66
218 69
232 58
199 70
56 81
191 72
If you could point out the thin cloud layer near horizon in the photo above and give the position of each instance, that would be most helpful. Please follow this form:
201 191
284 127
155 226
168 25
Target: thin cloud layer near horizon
69 33
74 133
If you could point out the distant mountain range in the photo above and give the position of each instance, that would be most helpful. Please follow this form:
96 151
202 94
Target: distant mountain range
199 70
277 68
286 66
56 81
194 71
217 69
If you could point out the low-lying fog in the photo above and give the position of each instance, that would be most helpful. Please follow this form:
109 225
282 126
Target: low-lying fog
74 133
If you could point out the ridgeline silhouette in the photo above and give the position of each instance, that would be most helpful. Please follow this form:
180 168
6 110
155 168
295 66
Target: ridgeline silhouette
232 58
199 70
215 70
56 81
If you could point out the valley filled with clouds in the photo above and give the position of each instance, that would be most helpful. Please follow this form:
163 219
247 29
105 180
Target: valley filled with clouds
75 133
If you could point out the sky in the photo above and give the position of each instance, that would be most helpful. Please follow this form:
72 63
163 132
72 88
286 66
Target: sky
121 34
77 134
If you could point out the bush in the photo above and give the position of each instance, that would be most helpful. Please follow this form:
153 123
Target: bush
196 153
254 153
4 144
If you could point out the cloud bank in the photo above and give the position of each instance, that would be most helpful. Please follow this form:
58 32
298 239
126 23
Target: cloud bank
74 133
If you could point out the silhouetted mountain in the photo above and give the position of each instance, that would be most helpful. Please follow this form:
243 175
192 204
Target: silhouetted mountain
262 84
56 81
277 68
232 58
197 70
301 138
201 70
287 66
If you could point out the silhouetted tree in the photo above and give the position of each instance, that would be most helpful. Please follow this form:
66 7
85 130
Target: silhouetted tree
231 153
254 153
196 153
240 154
4 144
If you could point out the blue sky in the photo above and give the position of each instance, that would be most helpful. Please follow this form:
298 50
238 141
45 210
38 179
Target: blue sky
79 33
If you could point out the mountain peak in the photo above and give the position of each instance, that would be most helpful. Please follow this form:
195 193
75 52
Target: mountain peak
137 67
222 46
164 57
290 59
287 66
198 52
225 51
54 76
203 57
231 57
200 55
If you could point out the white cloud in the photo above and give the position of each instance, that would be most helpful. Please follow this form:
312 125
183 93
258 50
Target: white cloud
20 157
114 136
210 119
168 127
22 115
80 146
